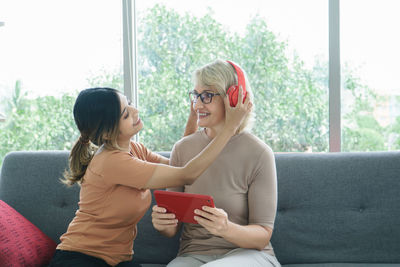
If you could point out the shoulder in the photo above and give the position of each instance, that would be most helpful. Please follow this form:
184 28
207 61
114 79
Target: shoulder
111 157
188 147
254 144
190 139
107 159
252 149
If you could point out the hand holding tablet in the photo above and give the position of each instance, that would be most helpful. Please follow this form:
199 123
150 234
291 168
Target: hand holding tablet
182 204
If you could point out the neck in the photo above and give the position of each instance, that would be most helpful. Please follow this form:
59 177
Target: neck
212 132
124 144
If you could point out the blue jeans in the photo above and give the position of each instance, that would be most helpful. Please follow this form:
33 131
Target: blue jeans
64 258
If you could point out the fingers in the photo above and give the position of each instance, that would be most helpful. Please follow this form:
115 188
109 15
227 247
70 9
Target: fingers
164 222
247 100
159 209
211 214
226 102
192 107
204 214
240 103
160 213
163 216
247 104
211 210
213 219
209 225
161 219
240 95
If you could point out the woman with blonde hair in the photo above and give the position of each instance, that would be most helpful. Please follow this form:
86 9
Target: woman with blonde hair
242 181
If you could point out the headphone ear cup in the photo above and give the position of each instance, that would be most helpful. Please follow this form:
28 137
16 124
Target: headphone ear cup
233 95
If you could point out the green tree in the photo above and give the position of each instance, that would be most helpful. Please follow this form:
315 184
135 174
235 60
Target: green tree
291 101
112 79
361 131
393 132
172 46
291 106
42 123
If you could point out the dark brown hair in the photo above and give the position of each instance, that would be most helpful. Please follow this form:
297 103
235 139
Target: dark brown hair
96 113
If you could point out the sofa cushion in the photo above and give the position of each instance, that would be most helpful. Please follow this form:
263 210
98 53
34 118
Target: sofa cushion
21 242
163 249
30 183
338 207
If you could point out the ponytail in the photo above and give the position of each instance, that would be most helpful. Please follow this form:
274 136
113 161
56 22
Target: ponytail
81 154
97 113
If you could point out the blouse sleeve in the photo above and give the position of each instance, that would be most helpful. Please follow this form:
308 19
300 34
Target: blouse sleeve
123 169
262 195
151 156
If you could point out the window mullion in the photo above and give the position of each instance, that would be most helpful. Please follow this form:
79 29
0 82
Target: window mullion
334 77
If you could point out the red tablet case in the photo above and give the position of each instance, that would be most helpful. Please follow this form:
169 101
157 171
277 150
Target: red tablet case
182 204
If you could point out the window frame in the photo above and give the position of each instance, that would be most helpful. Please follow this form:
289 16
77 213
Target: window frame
130 65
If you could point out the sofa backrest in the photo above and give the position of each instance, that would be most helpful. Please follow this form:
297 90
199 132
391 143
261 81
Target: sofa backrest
332 207
338 207
30 183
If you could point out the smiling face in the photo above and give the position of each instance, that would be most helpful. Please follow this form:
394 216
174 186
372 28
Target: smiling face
129 123
211 115
217 77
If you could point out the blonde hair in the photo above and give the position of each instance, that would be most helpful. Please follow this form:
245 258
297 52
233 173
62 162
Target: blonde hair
221 75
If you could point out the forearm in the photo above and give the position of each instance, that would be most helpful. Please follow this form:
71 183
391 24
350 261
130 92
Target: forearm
196 166
191 125
248 236
170 176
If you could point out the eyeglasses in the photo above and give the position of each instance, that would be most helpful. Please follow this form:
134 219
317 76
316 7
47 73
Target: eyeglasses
206 97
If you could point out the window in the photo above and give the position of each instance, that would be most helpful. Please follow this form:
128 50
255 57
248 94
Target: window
370 77
47 56
49 51
282 45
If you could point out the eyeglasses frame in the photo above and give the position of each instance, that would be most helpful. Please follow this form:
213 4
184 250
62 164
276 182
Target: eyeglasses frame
200 95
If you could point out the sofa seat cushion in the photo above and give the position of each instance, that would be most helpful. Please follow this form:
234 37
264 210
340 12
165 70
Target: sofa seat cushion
21 242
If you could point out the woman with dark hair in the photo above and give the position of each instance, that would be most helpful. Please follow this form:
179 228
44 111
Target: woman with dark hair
115 175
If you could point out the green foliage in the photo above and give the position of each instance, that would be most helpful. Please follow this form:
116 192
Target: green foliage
361 131
171 46
112 79
394 136
43 123
291 101
289 115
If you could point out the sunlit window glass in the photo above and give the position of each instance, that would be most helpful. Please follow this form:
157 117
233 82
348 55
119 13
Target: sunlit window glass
282 45
370 75
50 50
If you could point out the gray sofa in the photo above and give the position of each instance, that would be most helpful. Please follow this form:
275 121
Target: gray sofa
334 209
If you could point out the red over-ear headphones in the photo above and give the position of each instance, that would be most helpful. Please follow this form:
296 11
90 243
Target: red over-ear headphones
233 91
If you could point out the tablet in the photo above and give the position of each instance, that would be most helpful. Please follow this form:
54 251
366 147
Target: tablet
182 204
